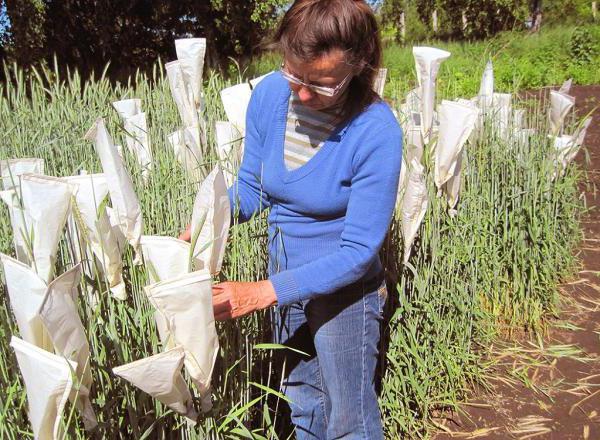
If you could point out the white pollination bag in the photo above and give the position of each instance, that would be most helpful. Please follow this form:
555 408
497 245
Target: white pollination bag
565 89
452 186
160 376
26 291
486 88
46 205
138 142
414 205
457 121
126 108
379 83
11 169
61 319
501 112
560 105
190 54
229 149
166 258
428 61
210 221
125 204
186 146
136 128
48 382
186 303
179 91
235 102
91 220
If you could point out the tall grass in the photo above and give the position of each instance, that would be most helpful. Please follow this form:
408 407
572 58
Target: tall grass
497 262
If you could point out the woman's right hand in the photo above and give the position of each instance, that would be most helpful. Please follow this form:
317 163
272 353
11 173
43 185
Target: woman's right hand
187 234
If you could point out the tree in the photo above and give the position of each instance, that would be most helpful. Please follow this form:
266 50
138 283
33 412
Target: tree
88 34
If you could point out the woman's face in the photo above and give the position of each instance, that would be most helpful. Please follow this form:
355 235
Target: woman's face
329 70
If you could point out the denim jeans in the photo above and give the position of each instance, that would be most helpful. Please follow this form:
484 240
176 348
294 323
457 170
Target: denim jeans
332 388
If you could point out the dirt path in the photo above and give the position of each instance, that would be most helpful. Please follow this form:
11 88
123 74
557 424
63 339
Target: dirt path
551 389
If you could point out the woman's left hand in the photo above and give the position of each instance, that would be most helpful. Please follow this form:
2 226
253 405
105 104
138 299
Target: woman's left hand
235 299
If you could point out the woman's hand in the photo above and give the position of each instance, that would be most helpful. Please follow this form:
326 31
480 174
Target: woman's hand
234 299
187 234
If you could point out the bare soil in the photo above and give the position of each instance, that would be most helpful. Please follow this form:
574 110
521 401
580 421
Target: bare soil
550 389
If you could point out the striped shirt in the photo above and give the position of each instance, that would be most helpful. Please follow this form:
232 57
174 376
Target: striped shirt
306 132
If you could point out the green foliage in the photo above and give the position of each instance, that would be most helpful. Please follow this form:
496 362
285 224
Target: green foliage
583 46
27 19
133 35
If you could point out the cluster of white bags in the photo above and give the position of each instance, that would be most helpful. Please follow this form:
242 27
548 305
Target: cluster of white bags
185 81
455 123
48 320
181 293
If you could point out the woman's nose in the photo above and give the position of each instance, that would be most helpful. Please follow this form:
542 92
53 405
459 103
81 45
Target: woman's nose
305 94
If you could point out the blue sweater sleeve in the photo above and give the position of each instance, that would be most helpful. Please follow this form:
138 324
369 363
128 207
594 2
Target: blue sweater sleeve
368 216
246 193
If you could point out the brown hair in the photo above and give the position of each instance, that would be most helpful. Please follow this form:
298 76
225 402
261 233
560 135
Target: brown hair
313 28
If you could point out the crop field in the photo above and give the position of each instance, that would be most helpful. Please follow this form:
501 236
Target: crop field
483 268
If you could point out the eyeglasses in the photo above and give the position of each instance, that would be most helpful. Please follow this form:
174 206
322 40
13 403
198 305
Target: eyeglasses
321 90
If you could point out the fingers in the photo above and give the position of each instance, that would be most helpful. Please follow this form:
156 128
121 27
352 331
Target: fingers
187 234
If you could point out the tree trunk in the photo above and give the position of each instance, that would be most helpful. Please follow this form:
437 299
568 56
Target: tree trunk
403 26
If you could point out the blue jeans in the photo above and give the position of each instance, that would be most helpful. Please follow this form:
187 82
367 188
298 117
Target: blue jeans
332 388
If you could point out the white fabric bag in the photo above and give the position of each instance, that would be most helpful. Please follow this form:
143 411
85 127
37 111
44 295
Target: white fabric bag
501 113
190 54
486 89
456 124
235 102
428 61
229 149
138 142
186 303
11 169
126 108
414 143
210 221
96 230
26 291
379 84
166 257
18 224
414 205
160 376
134 123
453 185
579 138
61 319
186 146
560 105
46 205
125 203
48 382
565 89
184 104
402 181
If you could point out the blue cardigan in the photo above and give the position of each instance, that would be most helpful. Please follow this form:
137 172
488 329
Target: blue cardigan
328 218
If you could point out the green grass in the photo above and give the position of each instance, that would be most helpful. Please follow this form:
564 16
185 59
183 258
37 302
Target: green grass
493 267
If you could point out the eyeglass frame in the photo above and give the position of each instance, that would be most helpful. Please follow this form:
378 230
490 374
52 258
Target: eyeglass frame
321 90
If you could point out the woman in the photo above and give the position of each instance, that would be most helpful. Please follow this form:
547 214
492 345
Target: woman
323 153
